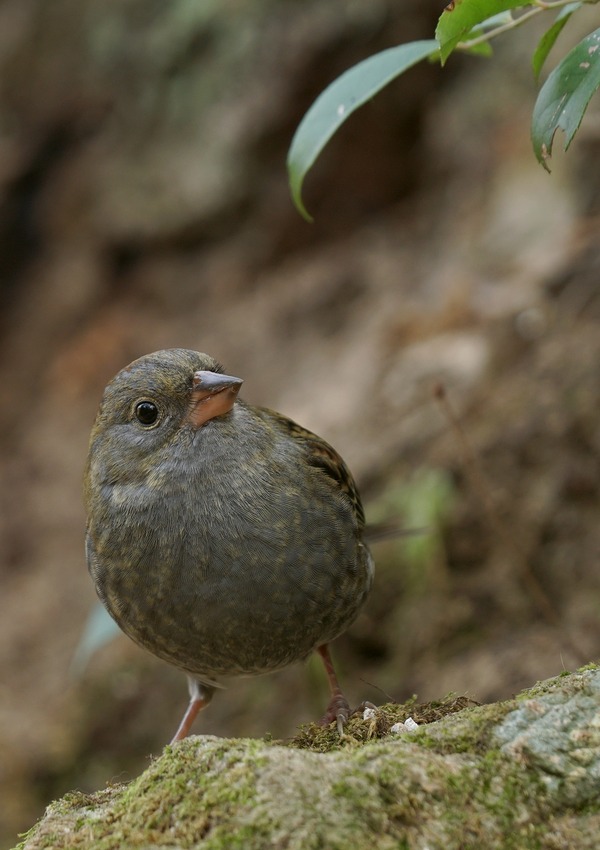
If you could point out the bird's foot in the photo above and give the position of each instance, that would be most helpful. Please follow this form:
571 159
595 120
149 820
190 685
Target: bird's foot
338 710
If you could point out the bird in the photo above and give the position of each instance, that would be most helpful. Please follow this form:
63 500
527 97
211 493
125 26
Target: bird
221 536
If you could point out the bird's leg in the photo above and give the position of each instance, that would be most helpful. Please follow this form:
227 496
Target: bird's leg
337 708
200 696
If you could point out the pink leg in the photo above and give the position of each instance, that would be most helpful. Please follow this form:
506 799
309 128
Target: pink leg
337 708
200 696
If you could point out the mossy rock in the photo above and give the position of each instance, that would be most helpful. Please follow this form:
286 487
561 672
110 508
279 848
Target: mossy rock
518 774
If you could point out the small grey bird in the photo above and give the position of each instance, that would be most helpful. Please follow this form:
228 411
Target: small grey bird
222 537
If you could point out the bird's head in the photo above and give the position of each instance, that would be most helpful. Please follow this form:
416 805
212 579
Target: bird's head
156 398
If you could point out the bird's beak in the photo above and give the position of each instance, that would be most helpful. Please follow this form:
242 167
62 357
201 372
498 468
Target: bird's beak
212 396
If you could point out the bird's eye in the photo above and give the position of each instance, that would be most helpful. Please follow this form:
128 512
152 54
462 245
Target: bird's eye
146 413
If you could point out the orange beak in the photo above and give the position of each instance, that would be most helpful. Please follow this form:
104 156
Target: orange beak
212 396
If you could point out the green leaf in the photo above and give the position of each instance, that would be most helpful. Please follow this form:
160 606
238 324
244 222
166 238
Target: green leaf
491 23
546 42
461 16
339 100
565 95
482 49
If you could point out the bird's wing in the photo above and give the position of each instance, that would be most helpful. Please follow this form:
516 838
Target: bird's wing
320 455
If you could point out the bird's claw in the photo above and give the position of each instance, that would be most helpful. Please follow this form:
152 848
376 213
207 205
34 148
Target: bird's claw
338 710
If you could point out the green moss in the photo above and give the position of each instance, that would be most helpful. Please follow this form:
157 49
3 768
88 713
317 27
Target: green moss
358 731
196 796
448 784
572 681
467 732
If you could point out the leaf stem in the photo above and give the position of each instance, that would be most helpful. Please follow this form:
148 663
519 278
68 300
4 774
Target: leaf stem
540 6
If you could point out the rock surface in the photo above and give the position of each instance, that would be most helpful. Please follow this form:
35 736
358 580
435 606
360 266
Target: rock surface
518 774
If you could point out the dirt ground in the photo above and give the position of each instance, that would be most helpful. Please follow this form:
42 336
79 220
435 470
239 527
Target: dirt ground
143 205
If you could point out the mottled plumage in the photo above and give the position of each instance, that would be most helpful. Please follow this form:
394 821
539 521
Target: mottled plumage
222 537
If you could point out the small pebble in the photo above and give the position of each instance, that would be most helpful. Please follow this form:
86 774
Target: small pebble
369 713
409 725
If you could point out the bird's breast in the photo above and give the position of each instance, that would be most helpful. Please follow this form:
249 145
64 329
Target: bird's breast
225 574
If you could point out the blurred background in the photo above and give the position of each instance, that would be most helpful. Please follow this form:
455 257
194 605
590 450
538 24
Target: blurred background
144 204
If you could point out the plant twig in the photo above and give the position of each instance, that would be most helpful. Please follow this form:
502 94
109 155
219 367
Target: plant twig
539 7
